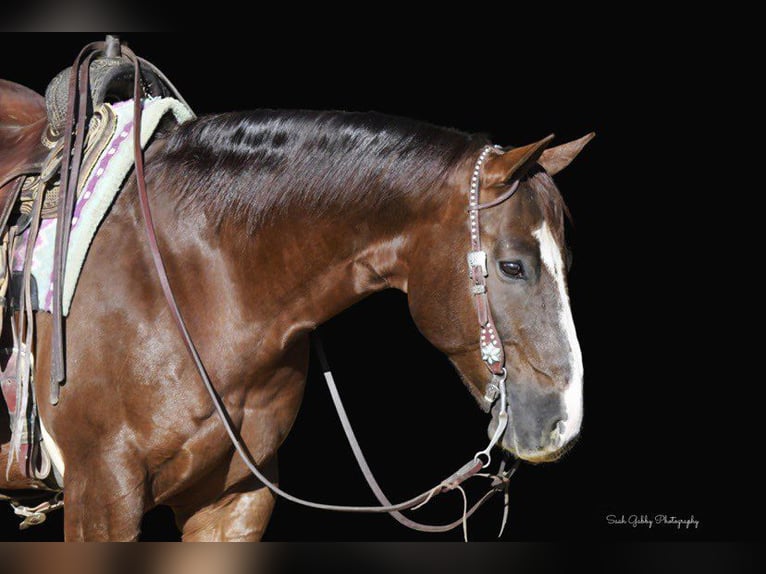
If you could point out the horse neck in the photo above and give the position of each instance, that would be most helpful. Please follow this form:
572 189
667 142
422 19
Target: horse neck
302 267
325 265
300 270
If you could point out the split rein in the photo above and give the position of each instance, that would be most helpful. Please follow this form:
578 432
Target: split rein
480 461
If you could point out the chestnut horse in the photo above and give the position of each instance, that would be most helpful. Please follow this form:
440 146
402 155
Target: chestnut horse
270 223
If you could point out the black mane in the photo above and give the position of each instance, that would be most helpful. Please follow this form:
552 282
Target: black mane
254 165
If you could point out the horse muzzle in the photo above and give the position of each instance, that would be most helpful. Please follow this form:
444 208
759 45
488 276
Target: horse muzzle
539 426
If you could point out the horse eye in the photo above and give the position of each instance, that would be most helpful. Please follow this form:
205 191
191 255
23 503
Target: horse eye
513 269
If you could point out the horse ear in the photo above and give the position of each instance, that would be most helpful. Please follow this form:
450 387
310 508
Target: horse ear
513 164
557 158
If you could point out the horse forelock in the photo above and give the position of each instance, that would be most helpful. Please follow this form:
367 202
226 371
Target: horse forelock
551 203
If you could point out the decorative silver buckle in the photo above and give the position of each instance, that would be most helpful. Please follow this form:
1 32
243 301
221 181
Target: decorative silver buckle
491 393
477 259
493 387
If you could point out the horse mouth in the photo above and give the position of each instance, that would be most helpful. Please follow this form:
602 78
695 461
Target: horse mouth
549 449
541 457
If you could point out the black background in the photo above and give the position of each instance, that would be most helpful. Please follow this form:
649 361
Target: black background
666 428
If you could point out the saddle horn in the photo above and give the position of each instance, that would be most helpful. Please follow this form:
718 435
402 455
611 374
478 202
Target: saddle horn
111 80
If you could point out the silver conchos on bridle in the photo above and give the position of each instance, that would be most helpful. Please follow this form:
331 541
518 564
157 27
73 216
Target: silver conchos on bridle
489 340
490 345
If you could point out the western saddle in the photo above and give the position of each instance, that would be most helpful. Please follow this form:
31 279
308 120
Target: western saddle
42 141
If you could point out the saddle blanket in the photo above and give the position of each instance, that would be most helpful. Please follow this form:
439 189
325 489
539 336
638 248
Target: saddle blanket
98 191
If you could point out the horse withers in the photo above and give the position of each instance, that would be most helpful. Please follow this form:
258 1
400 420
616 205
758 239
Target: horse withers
270 223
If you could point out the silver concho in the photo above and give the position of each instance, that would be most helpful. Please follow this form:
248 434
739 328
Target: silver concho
477 259
490 353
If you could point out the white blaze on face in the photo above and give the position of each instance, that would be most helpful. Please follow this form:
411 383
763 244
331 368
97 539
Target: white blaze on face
550 254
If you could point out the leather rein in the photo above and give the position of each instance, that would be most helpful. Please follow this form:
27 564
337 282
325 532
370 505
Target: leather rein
490 345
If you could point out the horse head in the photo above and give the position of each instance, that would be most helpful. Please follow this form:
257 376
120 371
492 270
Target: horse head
525 287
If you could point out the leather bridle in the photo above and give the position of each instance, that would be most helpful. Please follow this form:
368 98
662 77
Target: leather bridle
490 345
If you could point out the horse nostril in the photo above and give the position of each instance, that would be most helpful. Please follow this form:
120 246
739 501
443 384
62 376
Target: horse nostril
557 433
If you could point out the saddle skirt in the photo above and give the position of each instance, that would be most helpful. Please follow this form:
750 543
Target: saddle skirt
101 127
107 163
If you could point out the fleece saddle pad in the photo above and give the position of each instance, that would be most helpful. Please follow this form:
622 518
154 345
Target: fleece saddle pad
97 191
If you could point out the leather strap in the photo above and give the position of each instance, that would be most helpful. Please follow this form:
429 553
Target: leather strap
465 472
176 94
500 199
10 201
27 332
75 127
77 112
28 170
490 345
